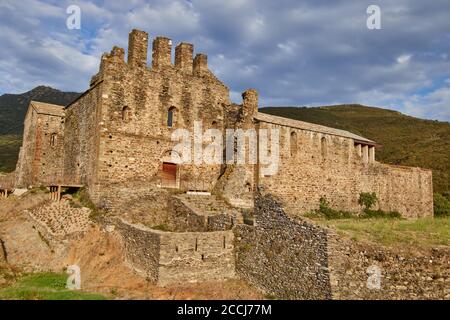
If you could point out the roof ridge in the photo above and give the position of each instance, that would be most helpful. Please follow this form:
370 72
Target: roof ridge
309 126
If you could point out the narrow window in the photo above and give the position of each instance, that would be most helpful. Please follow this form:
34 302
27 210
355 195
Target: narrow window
324 147
171 117
293 143
53 139
126 114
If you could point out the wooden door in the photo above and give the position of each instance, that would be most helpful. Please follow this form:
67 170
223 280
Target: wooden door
169 175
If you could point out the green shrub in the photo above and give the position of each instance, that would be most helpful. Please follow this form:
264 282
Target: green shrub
441 205
367 200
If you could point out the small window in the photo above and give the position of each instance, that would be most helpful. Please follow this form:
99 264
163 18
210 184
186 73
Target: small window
53 139
171 117
126 114
324 147
293 143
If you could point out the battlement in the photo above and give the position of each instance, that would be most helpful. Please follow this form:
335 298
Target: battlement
183 57
137 48
162 54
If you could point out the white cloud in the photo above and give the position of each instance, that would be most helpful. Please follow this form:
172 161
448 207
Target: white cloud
404 58
312 52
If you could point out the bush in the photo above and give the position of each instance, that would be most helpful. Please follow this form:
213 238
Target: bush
367 200
441 205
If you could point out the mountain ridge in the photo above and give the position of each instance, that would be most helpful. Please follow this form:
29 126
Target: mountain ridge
13 107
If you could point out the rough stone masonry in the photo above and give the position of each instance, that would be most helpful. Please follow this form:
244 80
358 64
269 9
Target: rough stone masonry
118 132
115 142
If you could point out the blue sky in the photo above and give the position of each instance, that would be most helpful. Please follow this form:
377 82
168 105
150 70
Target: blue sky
312 52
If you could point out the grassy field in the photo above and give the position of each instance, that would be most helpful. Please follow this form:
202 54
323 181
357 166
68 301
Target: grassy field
44 286
426 232
9 151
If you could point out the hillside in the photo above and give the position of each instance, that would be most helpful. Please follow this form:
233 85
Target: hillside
13 108
404 140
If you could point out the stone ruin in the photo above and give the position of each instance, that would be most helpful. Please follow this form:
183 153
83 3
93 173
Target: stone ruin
179 219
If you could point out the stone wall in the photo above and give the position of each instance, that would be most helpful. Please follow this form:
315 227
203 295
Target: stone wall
142 248
411 273
41 154
171 257
318 165
282 257
298 260
81 139
196 257
135 137
200 214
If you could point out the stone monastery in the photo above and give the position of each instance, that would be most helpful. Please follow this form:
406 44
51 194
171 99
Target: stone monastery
114 141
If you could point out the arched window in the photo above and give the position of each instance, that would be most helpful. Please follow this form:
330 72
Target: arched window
324 147
53 139
171 117
126 114
293 143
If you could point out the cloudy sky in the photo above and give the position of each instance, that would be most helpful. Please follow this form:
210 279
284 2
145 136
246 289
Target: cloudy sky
312 52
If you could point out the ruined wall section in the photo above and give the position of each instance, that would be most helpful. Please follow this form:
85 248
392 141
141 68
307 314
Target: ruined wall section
314 165
282 257
141 248
418 273
237 181
196 257
135 136
171 257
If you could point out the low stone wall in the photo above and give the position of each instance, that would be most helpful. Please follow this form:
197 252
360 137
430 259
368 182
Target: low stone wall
404 274
280 256
196 257
177 257
142 248
292 259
